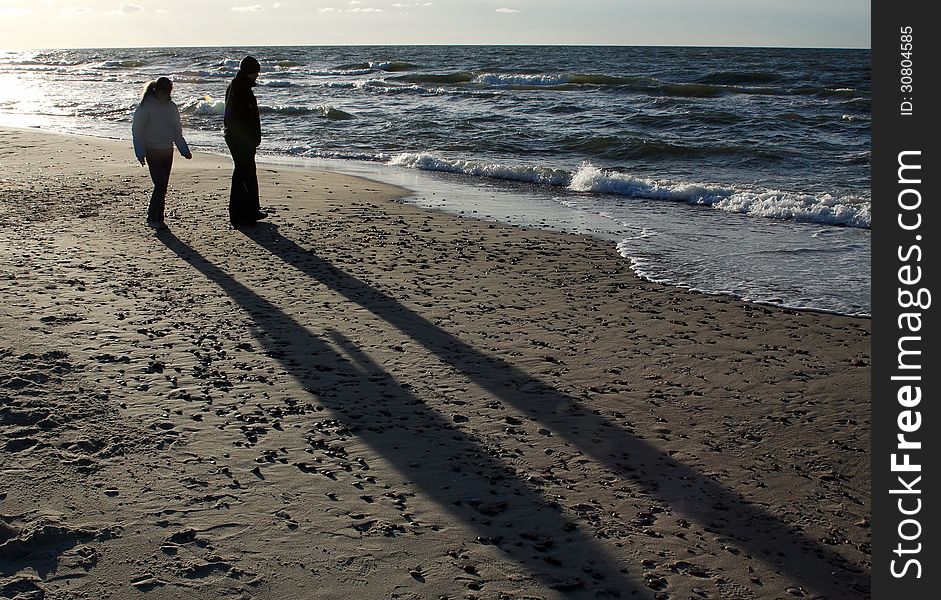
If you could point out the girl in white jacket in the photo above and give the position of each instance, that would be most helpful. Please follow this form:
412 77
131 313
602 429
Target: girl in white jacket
156 129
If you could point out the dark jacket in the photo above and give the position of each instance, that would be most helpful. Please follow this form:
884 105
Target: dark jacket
242 123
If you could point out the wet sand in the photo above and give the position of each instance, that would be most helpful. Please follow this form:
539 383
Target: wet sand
362 399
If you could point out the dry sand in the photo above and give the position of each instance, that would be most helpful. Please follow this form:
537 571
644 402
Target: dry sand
362 399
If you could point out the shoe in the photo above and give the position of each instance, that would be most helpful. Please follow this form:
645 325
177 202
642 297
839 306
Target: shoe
260 215
158 225
242 223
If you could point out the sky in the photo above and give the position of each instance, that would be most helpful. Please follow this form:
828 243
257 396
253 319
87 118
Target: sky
28 24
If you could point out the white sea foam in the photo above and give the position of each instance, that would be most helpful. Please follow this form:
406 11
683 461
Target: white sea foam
307 151
530 174
358 84
285 109
503 79
820 208
775 204
208 106
323 110
589 178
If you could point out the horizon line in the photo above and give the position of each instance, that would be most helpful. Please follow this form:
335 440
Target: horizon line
599 45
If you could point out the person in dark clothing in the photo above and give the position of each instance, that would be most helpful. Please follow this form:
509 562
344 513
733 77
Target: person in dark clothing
243 136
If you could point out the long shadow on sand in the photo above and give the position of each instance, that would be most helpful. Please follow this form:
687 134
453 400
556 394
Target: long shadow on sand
445 463
690 493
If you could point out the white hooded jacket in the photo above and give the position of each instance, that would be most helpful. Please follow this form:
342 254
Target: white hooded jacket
157 125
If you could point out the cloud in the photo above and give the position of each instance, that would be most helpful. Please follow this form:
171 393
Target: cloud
411 4
508 11
14 12
248 9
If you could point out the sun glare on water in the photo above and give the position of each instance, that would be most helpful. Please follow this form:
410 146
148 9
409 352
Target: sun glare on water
19 100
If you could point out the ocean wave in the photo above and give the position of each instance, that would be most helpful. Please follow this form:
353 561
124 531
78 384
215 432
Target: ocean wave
325 111
211 74
570 81
841 92
307 151
775 204
211 106
188 78
352 67
501 80
389 66
379 86
205 106
740 77
392 66
849 94
530 80
335 73
552 80
459 77
46 61
861 103
803 208
334 114
349 85
122 64
382 86
229 64
529 174
594 79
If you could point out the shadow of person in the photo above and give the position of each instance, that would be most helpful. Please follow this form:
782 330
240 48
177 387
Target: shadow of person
449 466
690 493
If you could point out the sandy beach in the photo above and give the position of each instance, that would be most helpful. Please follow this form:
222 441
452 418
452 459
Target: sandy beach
358 398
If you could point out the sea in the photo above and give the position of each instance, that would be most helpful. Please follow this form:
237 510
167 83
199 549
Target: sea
741 171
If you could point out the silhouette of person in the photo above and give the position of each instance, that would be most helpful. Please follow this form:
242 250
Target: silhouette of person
243 136
155 130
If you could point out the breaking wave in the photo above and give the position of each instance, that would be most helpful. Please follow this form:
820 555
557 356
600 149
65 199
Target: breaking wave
769 203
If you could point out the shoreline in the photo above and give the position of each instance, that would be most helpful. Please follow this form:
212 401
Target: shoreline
426 190
363 398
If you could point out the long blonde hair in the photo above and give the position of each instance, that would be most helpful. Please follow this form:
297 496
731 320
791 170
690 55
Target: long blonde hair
161 83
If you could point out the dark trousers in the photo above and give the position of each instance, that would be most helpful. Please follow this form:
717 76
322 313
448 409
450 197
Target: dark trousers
159 162
243 199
